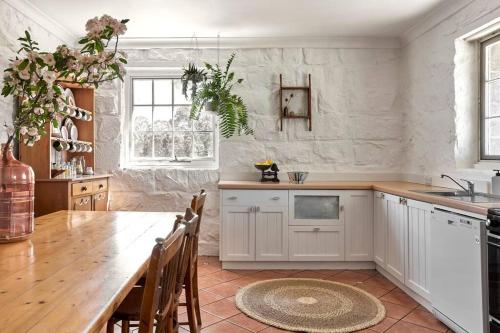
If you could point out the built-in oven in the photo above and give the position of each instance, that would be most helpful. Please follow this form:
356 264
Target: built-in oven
493 236
316 207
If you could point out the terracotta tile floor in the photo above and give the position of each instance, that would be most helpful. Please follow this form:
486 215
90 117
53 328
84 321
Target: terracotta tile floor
220 315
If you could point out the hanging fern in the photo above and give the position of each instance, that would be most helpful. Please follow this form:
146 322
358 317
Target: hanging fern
216 89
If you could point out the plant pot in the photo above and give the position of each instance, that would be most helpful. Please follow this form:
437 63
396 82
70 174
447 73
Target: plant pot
17 197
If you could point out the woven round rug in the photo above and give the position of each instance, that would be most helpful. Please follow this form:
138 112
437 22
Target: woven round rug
310 305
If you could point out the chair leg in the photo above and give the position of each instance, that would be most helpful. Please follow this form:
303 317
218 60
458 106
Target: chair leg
194 323
110 327
125 326
196 297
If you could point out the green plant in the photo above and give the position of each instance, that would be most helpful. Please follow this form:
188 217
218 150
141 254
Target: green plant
216 90
193 75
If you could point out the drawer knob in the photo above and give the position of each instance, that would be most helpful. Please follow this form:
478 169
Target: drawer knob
84 188
101 186
232 198
275 198
316 229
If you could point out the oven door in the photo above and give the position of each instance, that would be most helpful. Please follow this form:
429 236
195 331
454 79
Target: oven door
494 276
316 207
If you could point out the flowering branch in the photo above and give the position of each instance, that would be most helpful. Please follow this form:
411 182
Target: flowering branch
35 77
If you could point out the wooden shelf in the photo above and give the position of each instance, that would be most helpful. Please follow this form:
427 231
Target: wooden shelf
307 89
55 138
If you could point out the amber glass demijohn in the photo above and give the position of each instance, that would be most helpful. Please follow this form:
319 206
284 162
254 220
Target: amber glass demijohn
17 194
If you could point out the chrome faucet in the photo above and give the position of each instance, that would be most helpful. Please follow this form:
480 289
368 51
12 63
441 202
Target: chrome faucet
470 185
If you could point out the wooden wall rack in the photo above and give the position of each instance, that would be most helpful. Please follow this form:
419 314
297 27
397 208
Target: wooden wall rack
308 115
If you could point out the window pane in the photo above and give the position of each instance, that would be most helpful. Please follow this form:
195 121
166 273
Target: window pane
492 98
493 61
162 118
492 136
142 92
163 145
143 143
203 144
141 118
182 122
310 207
178 96
183 144
163 91
205 122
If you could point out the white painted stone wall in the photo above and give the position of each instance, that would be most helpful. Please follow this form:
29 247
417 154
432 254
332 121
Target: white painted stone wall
439 97
12 26
356 125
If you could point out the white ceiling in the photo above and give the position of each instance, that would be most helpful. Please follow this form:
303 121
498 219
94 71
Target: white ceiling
246 18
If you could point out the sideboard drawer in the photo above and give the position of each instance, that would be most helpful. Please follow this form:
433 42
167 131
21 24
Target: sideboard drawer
316 243
81 188
100 201
82 203
255 197
100 185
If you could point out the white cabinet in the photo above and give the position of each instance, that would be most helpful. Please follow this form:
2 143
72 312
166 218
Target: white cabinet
238 233
320 243
271 224
358 222
418 248
379 228
397 218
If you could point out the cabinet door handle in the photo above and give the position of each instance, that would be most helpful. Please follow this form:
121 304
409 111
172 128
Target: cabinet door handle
232 198
316 229
382 195
251 209
341 208
275 198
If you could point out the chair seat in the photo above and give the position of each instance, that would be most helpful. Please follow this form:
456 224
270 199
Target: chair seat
130 308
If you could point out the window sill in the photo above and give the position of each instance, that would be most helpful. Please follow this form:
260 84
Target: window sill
487 165
170 167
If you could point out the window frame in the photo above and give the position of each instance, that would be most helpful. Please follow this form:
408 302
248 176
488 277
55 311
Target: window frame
484 43
127 159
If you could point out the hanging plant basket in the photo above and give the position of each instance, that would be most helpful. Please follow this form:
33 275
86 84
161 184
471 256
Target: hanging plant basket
214 94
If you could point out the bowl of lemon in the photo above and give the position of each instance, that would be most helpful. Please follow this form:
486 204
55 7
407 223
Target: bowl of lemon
264 165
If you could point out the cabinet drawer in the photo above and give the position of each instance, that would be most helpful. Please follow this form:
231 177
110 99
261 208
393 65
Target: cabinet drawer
81 188
82 203
255 197
316 243
100 201
100 185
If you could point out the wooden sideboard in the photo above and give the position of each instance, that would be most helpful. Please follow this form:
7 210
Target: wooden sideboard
84 193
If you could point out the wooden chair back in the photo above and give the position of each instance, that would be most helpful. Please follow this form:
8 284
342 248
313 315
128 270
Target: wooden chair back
159 289
197 204
190 221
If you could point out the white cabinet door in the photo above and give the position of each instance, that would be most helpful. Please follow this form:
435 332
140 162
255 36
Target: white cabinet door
271 224
238 233
379 228
397 218
320 243
358 221
418 248
316 207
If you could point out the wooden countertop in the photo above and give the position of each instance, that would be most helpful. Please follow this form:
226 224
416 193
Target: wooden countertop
404 189
76 178
76 268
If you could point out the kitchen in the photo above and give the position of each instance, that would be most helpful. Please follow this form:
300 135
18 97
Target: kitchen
388 108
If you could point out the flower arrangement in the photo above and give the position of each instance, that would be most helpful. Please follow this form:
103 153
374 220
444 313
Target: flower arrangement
34 77
214 94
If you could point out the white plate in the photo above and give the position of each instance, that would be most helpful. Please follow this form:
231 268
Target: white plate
64 132
74 133
69 95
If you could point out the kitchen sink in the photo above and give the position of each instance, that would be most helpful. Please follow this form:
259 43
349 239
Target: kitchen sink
464 196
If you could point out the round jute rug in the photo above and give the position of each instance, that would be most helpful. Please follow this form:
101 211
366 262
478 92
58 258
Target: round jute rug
310 305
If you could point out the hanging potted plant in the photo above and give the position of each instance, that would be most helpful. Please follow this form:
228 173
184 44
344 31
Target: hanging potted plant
34 80
215 94
191 79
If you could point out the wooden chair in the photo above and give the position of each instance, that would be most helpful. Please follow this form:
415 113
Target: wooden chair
154 303
188 277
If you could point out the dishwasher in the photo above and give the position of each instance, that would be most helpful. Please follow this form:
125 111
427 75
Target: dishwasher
458 271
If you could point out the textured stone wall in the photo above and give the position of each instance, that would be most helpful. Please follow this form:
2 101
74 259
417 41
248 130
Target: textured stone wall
12 25
356 125
438 94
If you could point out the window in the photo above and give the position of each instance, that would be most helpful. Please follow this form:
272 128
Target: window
490 99
160 129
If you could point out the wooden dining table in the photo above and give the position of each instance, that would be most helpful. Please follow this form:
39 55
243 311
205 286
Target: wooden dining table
75 269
